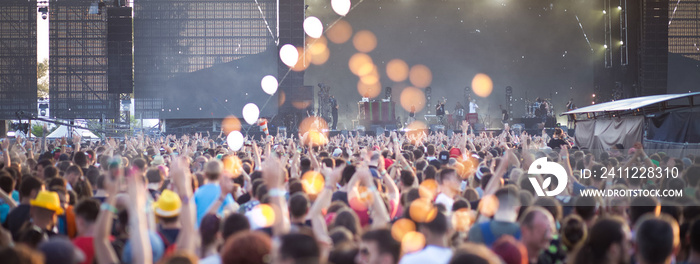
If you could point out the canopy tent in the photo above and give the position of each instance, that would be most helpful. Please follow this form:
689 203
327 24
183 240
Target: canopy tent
63 131
644 104
600 126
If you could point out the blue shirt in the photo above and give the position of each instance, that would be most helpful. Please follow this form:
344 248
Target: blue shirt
205 196
5 208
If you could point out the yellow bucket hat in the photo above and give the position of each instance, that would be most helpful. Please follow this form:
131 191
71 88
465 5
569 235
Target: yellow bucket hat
48 200
168 204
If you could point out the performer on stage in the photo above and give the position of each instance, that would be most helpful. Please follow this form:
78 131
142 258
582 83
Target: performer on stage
459 109
334 112
440 109
504 114
473 106
569 107
412 114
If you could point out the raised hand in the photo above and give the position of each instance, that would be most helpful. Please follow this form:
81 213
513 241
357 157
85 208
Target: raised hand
564 151
112 183
76 139
272 173
180 173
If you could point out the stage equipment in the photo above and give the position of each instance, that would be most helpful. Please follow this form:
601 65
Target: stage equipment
509 102
18 57
376 113
79 63
428 95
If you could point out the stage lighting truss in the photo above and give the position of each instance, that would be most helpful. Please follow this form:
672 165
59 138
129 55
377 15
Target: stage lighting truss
428 95
509 102
43 8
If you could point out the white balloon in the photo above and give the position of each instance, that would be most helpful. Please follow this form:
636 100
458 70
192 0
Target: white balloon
235 140
341 7
269 84
313 27
289 55
251 112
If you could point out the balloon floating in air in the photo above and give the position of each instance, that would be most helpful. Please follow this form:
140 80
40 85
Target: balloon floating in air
313 27
235 140
289 55
269 84
251 112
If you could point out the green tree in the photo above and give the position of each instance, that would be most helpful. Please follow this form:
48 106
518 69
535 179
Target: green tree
135 123
42 76
38 130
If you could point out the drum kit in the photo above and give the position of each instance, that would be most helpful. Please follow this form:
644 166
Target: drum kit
539 108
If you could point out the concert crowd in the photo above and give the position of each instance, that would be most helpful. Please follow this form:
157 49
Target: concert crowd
408 197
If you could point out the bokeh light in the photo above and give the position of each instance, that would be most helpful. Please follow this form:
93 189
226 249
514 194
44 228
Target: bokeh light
251 112
263 215
416 130
359 198
463 219
269 84
317 130
321 58
369 90
412 242
315 45
482 85
488 205
340 32
364 41
468 168
397 70
402 227
303 61
230 123
232 165
301 104
422 210
420 76
235 140
412 97
367 68
289 55
312 182
313 27
341 7
428 189
370 78
360 62
281 98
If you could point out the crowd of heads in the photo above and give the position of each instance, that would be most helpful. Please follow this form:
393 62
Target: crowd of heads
412 197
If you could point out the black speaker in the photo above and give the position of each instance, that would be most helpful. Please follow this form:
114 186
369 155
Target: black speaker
120 74
437 128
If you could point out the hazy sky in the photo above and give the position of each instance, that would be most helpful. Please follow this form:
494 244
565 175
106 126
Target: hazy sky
42 38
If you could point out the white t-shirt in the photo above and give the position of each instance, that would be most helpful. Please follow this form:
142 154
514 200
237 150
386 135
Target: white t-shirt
445 200
430 254
473 107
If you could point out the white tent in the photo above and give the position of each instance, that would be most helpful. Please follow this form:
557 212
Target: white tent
64 131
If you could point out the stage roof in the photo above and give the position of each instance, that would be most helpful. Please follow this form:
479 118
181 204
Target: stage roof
644 104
